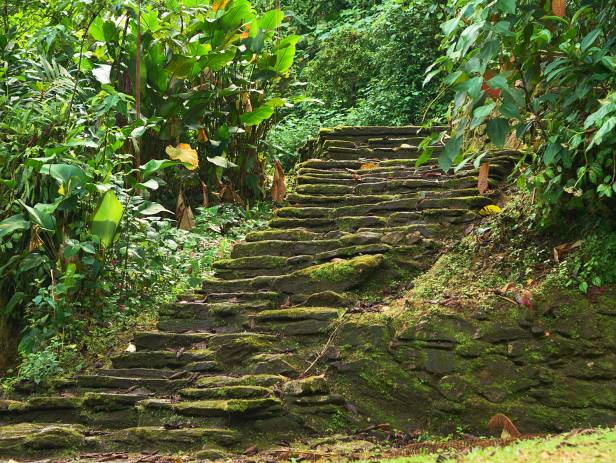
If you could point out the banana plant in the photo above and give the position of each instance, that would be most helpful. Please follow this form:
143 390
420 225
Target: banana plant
209 76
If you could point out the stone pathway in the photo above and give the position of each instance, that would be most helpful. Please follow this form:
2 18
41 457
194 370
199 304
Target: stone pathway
230 365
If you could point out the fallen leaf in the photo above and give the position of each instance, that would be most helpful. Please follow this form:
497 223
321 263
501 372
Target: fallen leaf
482 181
131 348
524 297
251 450
184 153
562 249
368 166
492 209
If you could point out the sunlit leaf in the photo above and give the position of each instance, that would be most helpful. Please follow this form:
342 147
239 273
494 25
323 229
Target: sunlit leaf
184 153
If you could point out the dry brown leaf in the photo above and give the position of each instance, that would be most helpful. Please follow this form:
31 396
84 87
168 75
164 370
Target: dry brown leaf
35 239
279 188
482 182
202 136
524 297
559 8
562 249
246 104
502 423
508 287
184 214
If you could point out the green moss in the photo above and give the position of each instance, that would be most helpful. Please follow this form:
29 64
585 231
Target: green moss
333 271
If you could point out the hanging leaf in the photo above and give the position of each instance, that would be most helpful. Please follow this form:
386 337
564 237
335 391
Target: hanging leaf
107 218
42 214
184 214
154 166
221 162
482 182
279 189
559 8
35 239
185 154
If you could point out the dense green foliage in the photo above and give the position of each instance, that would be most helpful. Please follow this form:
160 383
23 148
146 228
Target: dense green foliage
82 169
363 62
527 68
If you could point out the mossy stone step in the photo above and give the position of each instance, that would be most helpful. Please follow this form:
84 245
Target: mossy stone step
136 372
160 438
192 360
291 234
301 313
335 276
298 321
100 381
367 132
158 340
464 202
213 408
226 392
261 380
302 248
335 202
24 438
205 310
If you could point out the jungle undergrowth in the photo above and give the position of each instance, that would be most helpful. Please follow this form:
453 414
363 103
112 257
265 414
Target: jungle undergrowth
169 262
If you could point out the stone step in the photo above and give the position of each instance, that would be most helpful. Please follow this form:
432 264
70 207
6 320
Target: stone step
191 360
52 439
389 187
260 380
352 224
96 381
378 153
385 208
338 276
158 340
193 309
298 321
301 248
226 392
374 165
337 201
233 408
348 132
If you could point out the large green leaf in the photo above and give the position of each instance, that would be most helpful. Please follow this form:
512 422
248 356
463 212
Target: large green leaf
12 224
497 130
107 218
67 175
42 215
285 54
155 165
257 116
271 20
221 162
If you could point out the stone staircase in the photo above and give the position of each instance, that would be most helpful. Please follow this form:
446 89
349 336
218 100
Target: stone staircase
233 365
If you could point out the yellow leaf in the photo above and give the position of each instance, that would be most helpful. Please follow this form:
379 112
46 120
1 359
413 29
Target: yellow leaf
219 5
492 209
184 153
369 165
61 191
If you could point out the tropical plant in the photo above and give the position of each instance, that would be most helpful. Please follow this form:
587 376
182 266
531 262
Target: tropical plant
540 73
